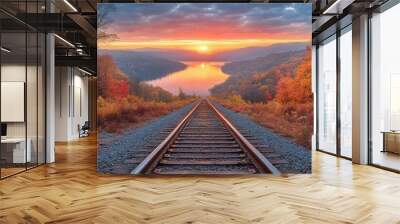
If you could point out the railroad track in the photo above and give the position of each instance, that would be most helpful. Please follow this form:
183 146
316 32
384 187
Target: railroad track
205 142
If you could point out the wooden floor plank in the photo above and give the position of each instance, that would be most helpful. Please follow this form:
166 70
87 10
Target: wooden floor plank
71 191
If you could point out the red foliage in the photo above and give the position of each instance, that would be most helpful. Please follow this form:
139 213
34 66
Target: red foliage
112 82
118 89
123 103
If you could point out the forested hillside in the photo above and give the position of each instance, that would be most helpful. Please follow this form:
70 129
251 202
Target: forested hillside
175 55
255 52
280 99
123 102
141 66
256 80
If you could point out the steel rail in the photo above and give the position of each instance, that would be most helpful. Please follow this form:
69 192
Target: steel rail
259 159
152 159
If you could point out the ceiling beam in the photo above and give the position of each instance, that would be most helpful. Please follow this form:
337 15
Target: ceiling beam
77 61
337 7
86 26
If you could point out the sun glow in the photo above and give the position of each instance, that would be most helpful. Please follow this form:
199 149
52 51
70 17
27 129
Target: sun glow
203 49
199 46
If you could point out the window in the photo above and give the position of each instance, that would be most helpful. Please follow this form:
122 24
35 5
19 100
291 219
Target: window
346 92
327 95
385 89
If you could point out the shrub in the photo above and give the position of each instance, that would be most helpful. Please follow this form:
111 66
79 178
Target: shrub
290 120
116 115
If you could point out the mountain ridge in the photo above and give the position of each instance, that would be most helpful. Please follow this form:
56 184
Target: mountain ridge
255 80
142 67
227 56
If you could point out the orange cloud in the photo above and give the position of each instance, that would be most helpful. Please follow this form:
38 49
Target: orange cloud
213 46
215 27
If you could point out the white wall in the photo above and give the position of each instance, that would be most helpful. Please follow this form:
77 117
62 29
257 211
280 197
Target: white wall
12 73
13 101
15 73
71 94
80 110
62 81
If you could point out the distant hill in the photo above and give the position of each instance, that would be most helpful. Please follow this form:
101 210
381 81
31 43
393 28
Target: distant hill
260 64
255 80
140 66
114 83
246 53
249 53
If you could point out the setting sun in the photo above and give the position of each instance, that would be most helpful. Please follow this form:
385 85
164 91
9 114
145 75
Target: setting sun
203 49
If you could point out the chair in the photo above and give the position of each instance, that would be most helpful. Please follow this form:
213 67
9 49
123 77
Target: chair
84 130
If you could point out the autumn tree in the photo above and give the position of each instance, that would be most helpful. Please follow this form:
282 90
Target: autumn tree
112 82
298 88
104 19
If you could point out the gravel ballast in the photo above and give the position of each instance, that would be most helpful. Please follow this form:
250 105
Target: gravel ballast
298 157
115 149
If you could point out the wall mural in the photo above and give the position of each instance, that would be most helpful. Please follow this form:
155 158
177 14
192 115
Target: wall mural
204 89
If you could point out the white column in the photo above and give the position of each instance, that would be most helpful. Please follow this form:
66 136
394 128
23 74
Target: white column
50 92
50 100
63 99
360 90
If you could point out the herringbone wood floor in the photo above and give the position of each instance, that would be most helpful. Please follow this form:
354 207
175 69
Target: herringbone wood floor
70 191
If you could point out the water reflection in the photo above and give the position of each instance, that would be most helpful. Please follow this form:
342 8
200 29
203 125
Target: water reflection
197 78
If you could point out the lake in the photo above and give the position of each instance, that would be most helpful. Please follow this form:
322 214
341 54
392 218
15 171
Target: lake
197 78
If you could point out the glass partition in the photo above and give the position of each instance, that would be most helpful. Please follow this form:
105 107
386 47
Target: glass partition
31 99
22 88
327 95
13 109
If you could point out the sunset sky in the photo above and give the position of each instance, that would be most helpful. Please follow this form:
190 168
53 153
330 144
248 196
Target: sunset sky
205 28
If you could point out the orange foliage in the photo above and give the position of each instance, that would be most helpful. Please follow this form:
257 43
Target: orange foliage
297 89
272 115
115 115
122 103
290 111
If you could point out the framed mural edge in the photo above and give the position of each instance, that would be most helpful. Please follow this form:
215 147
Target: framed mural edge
204 88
